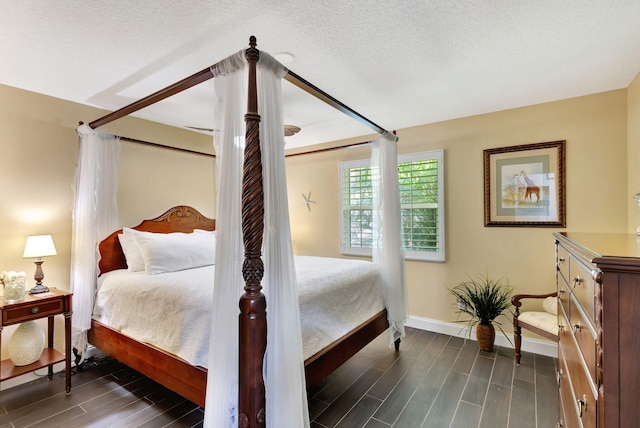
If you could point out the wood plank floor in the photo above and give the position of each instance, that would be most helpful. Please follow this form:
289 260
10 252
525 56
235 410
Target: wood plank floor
434 381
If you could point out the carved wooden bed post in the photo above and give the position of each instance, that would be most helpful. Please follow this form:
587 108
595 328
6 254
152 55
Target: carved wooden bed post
253 316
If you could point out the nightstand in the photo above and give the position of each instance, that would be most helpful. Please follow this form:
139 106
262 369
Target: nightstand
33 307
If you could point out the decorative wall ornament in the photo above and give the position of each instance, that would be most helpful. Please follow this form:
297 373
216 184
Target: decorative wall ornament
308 201
524 185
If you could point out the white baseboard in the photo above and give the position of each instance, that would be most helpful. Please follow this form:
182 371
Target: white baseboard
536 346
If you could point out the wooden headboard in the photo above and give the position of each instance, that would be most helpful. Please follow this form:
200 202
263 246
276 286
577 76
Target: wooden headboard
177 219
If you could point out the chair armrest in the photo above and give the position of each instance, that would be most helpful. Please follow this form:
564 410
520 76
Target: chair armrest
515 300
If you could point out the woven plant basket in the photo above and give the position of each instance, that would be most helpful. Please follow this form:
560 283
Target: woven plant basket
486 335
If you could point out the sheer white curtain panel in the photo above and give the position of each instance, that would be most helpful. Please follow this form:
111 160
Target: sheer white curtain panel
221 406
388 245
286 396
284 366
94 217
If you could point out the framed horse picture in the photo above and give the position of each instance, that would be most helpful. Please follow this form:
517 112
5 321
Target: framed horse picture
525 185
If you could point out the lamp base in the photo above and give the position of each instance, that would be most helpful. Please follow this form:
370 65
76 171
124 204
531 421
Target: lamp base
39 288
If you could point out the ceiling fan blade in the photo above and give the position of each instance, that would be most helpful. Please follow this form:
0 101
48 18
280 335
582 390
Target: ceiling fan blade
289 130
199 129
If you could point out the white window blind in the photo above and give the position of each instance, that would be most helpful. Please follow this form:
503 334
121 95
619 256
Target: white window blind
421 198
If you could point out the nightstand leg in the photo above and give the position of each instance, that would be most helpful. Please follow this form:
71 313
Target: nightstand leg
50 340
67 350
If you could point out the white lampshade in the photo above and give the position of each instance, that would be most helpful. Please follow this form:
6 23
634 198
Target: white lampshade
39 246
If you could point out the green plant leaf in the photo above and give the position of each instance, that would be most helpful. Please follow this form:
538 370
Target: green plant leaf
482 300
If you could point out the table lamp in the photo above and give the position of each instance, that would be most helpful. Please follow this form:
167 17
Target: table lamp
39 246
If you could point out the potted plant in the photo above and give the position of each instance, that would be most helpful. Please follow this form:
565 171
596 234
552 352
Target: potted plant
483 300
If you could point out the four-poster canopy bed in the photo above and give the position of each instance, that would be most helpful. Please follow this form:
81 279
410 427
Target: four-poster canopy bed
177 374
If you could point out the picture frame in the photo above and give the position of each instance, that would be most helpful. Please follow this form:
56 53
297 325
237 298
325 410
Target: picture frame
524 186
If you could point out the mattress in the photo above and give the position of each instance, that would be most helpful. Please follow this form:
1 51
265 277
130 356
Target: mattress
172 311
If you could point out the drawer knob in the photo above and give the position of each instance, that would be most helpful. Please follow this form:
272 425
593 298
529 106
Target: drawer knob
577 280
582 405
577 327
561 260
558 375
35 310
561 292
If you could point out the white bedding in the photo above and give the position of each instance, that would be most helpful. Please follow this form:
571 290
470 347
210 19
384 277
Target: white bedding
172 310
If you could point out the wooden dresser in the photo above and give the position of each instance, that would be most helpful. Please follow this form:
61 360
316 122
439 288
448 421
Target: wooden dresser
598 279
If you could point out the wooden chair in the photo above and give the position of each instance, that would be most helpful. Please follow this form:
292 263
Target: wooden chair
544 323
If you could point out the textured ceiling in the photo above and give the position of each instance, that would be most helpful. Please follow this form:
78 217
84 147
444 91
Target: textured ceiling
399 63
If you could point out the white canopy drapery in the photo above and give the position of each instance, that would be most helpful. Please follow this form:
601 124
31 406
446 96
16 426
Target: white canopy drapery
388 245
286 403
95 216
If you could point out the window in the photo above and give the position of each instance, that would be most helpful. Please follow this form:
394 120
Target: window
422 207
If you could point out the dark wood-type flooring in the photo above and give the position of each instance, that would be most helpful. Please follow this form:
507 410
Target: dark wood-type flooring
434 381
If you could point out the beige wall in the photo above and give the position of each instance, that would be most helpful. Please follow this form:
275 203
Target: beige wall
151 180
39 151
595 128
38 146
633 166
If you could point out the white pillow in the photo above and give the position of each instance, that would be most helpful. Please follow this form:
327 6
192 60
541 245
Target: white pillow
550 304
213 232
131 250
170 252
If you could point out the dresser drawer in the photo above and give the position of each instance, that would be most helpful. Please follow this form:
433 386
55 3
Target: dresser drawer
564 326
21 313
582 286
584 332
567 413
563 263
564 297
583 401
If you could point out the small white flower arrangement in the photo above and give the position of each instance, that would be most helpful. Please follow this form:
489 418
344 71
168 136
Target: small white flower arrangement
6 277
13 285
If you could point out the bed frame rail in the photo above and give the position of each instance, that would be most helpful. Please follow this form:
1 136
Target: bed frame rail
165 368
191 381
